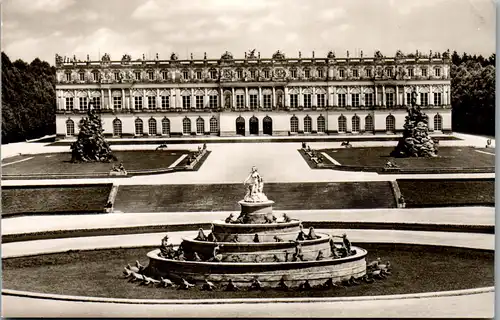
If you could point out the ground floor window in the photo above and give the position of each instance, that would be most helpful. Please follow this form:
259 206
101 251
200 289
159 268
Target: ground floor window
117 128
186 126
355 124
70 128
321 124
152 126
438 122
320 100
390 123
214 125
165 126
294 124
139 129
342 124
369 123
200 126
307 124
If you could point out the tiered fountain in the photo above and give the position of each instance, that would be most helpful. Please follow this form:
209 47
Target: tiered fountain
258 246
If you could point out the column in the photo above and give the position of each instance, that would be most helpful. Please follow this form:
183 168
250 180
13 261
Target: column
273 103
362 101
329 96
221 98
76 101
130 100
158 101
233 98
247 104
144 105
123 99
384 102
260 99
417 90
375 99
397 96
313 98
192 103
431 96
205 98
178 99
349 98
301 98
335 98
287 98
103 106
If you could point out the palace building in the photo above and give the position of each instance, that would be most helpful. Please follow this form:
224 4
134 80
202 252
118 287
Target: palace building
253 96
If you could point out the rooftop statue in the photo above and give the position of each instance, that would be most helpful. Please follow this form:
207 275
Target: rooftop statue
106 58
255 187
126 58
251 54
278 55
227 56
378 55
173 56
399 54
331 55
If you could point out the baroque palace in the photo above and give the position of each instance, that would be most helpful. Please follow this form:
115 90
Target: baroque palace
254 95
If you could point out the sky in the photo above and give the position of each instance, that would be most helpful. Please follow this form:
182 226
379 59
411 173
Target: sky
42 28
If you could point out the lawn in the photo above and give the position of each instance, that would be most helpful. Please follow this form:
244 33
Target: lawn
225 197
54 199
448 157
59 163
450 192
416 269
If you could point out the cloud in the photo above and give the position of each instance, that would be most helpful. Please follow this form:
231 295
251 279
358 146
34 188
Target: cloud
33 6
332 14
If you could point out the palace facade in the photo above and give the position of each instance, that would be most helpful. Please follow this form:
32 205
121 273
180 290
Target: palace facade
253 96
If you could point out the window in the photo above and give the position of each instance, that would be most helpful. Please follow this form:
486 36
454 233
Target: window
437 99
321 124
199 102
320 100
165 102
266 74
213 74
139 129
152 127
411 72
95 76
320 73
117 76
253 101
200 126
355 73
137 75
267 101
369 123
165 126
186 102
185 75
138 103
239 74
424 72
293 73
307 124
307 73
355 124
388 72
82 76
307 101
151 103
355 99
69 103
389 99
252 74
212 101
198 75
342 124
214 125
186 126
424 99
294 100
437 72
390 123
294 124
341 73
151 75
83 103
70 128
368 99
117 102
368 73
438 122
96 102
408 98
342 98
240 101
68 76
164 75
117 127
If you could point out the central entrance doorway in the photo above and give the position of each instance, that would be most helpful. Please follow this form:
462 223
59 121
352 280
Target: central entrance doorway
267 125
254 125
240 126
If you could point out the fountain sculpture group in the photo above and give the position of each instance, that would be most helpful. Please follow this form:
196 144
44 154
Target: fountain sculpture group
257 249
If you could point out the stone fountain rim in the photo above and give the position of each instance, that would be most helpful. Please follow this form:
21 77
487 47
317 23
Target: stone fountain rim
324 238
293 222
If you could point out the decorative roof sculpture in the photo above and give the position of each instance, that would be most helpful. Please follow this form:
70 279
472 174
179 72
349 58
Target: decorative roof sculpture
330 55
106 58
226 56
126 58
174 57
378 55
59 60
278 55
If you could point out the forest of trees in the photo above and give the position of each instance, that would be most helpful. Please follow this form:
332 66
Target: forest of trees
28 97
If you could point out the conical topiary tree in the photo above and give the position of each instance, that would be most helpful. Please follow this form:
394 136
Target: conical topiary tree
90 145
416 141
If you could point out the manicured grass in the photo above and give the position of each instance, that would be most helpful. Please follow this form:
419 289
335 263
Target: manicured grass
59 163
440 192
224 197
416 269
54 199
448 157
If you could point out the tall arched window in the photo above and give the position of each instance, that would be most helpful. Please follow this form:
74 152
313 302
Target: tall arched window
307 124
200 126
214 125
139 127
390 123
355 123
186 126
117 127
70 127
294 124
321 124
152 127
369 123
438 122
165 126
342 124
